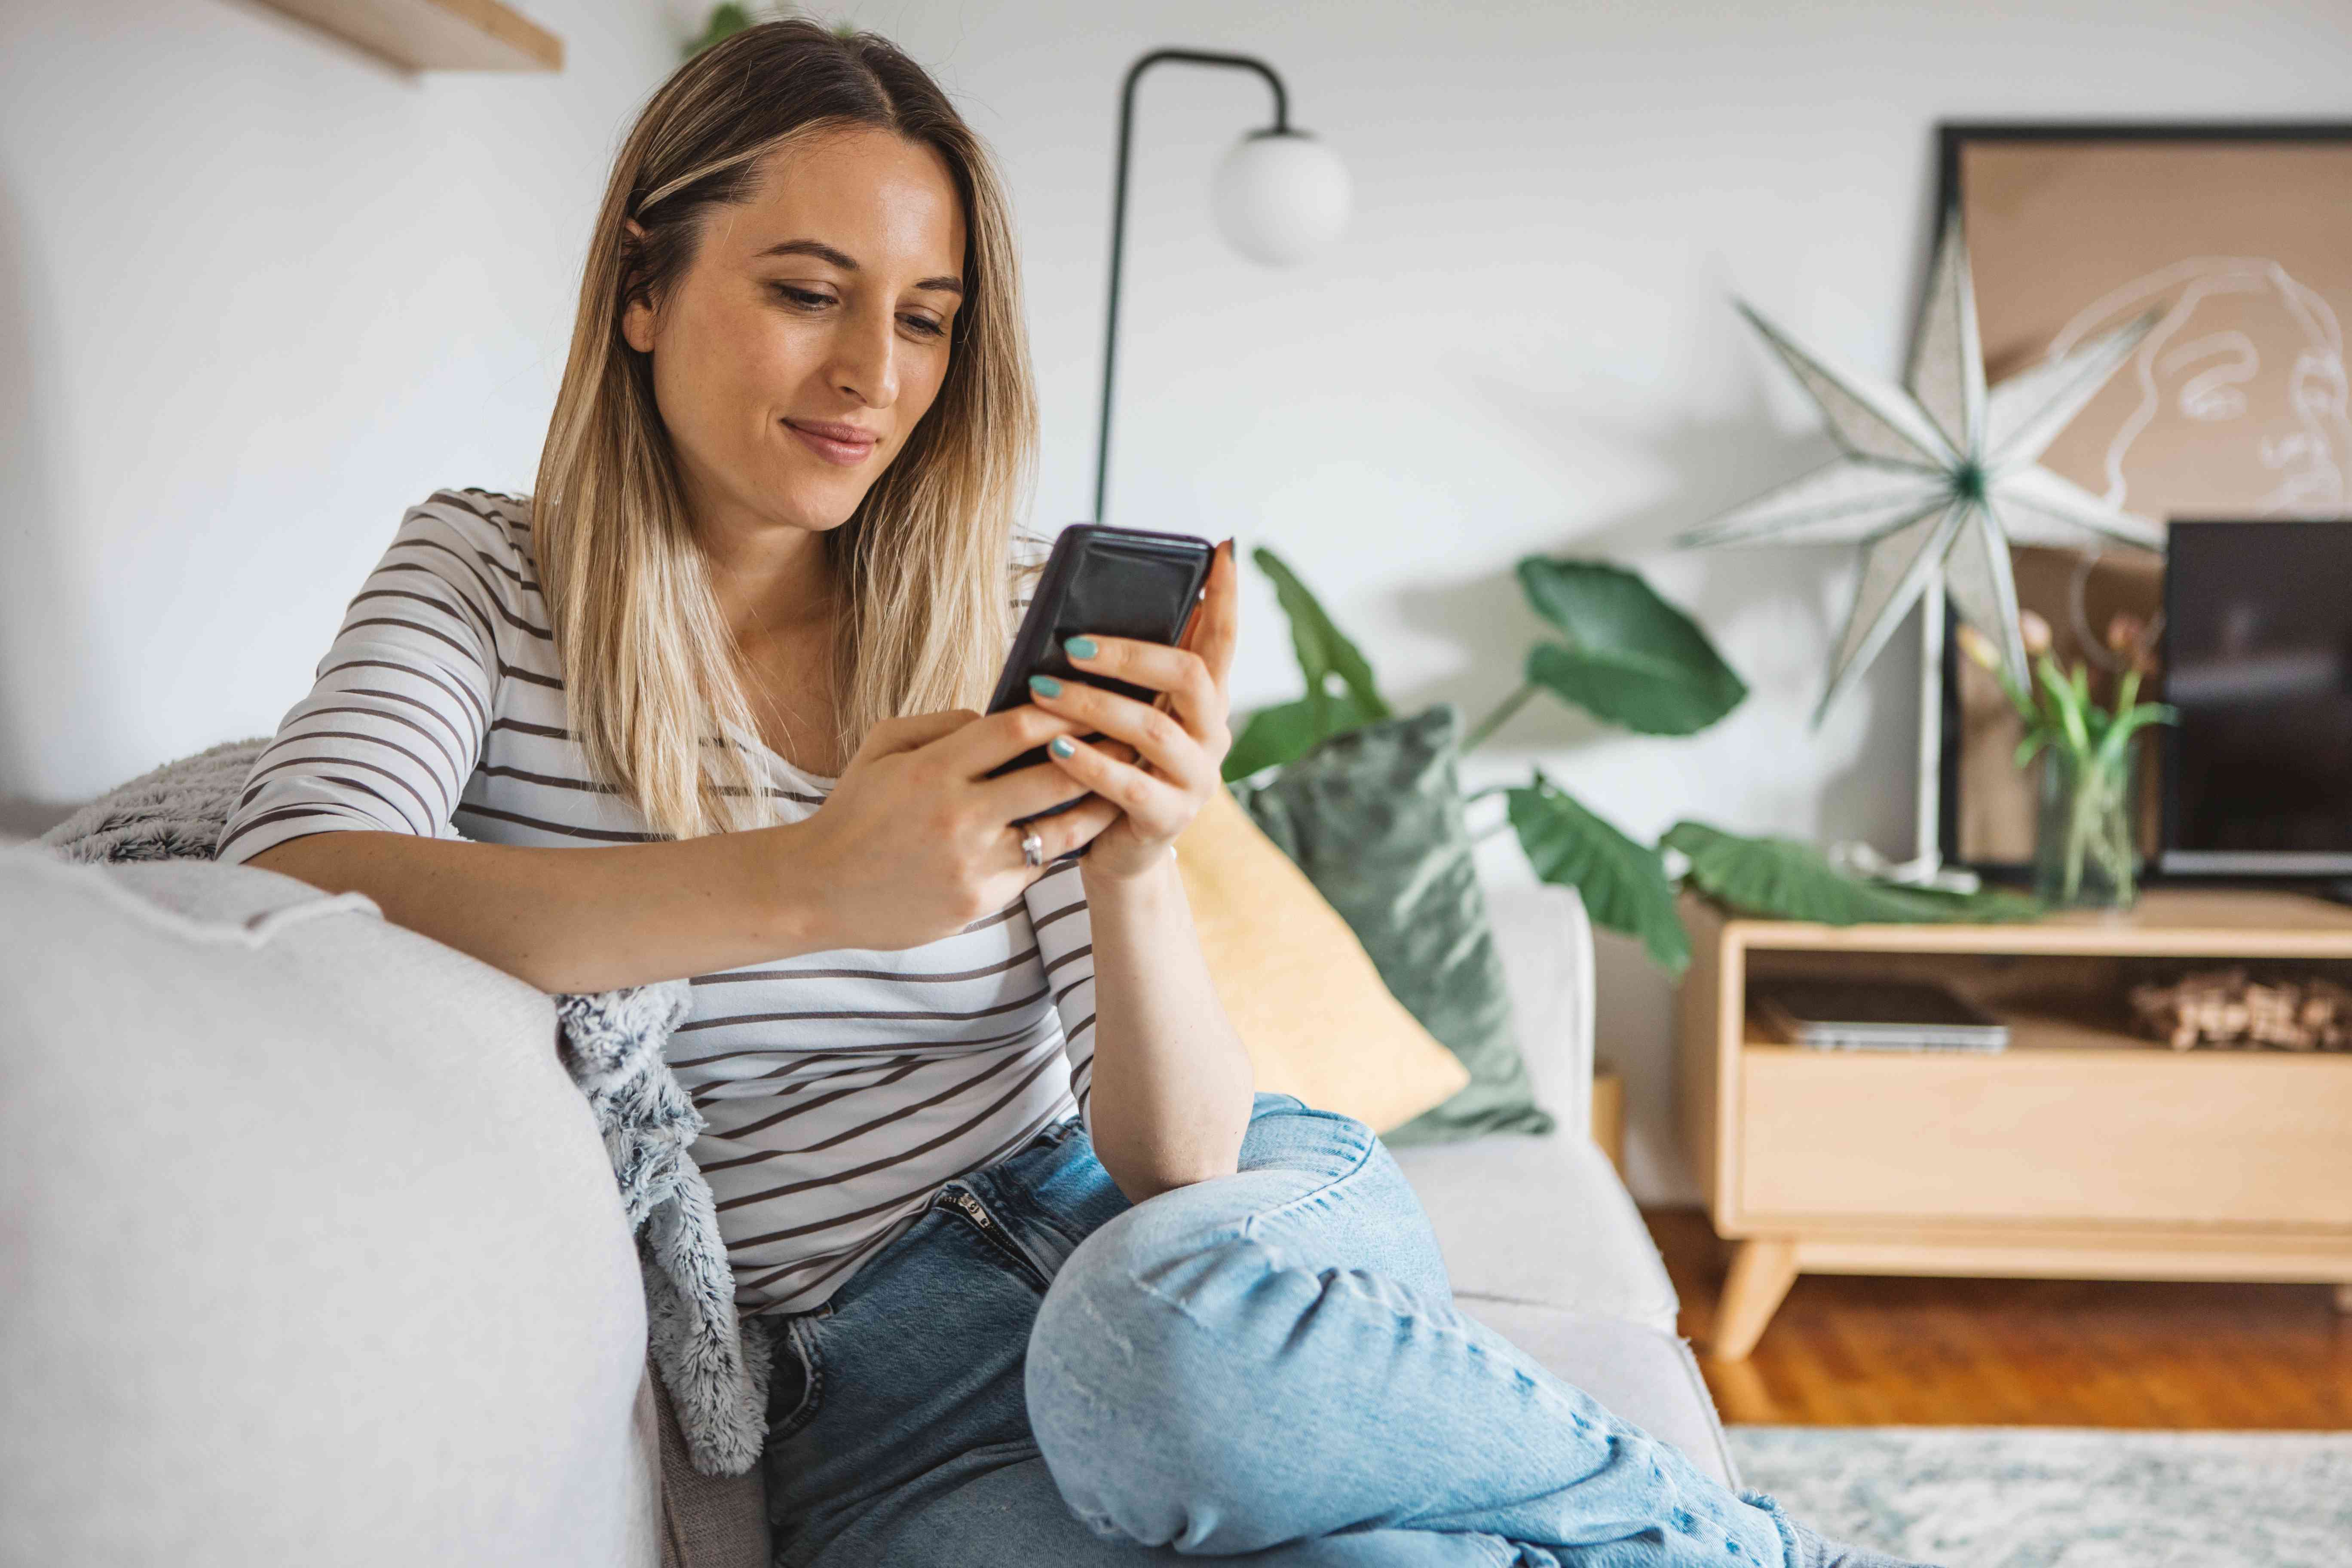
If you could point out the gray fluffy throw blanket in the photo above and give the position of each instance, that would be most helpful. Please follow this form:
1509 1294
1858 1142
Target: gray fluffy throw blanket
715 1369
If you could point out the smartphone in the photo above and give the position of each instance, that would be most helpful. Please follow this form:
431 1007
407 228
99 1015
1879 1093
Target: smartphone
1102 582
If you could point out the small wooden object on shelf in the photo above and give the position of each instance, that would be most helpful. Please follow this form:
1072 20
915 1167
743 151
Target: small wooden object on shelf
2223 1009
2085 1151
436 35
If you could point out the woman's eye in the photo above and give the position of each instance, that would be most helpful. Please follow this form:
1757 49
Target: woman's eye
807 299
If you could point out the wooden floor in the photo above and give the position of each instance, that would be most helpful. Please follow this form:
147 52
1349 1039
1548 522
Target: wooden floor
1861 1350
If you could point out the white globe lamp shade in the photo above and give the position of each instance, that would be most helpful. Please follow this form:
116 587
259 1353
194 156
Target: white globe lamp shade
1281 195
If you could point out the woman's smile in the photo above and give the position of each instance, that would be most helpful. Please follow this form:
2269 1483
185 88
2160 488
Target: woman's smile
846 445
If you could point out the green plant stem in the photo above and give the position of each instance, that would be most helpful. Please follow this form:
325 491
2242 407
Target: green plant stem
1498 718
2099 828
2082 816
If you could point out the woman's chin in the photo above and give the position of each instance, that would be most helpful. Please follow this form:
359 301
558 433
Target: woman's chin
815 506
818 494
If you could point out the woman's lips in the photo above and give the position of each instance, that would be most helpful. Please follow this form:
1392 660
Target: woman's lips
847 454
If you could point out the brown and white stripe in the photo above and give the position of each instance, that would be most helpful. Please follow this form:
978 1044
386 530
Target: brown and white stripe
840 1088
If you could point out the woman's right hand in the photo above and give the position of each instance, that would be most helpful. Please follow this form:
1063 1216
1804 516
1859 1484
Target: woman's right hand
917 843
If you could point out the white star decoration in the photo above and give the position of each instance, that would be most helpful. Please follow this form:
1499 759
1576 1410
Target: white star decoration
1937 473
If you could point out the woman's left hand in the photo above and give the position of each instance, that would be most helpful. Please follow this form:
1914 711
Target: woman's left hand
1157 766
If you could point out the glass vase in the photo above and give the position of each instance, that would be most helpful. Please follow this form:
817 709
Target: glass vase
2085 843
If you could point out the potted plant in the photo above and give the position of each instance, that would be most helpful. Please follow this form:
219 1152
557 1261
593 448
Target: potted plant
1621 653
2086 841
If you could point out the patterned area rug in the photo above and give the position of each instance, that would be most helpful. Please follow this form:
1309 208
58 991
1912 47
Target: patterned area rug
2023 1497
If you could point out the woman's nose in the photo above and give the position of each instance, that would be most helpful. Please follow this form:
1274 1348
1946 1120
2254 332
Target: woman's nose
865 359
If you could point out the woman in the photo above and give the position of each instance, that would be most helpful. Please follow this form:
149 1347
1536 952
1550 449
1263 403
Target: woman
667 702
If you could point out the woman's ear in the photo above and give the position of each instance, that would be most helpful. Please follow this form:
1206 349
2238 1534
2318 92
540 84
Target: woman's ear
637 310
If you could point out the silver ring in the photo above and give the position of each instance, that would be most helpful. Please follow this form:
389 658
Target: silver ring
1033 850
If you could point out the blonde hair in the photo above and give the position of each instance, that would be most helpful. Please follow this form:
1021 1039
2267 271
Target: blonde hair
649 664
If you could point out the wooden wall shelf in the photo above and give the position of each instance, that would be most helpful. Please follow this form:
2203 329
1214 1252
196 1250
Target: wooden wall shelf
436 35
2081 1152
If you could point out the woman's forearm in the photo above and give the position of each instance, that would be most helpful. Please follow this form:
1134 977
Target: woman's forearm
1172 1084
573 920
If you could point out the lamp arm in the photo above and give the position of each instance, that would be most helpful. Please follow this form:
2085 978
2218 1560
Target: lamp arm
1119 216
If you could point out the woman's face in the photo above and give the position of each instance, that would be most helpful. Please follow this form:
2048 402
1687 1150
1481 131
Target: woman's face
805 341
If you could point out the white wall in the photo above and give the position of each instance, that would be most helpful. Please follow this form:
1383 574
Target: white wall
255 296
258 293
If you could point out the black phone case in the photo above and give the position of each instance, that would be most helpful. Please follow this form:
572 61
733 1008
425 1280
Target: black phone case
1102 582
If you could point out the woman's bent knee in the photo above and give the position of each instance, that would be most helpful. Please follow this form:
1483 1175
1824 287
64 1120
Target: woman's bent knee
1285 1134
1149 1393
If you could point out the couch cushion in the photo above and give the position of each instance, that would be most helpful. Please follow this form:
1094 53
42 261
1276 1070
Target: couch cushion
1374 817
1541 1220
1642 1373
708 1521
1304 999
307 1242
1545 941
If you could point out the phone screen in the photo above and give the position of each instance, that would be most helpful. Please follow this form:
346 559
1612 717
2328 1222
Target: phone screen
1102 582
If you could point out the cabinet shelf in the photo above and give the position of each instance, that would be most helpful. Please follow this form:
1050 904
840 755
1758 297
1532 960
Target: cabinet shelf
2049 1032
2083 1150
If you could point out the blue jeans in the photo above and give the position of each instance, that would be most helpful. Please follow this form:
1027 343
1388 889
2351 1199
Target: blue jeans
1268 1365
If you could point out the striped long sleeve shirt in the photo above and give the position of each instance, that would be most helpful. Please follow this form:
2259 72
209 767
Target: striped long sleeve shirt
840 1088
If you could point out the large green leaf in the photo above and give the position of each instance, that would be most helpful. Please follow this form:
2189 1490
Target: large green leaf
1287 732
1629 657
1340 687
1624 884
1282 733
1783 879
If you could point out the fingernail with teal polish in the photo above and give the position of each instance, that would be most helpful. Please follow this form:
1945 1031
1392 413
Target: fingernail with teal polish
1060 746
1045 685
1081 647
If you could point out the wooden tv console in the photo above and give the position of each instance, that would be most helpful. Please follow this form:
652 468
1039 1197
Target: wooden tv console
2082 1151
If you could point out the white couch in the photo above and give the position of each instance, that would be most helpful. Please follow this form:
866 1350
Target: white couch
310 1251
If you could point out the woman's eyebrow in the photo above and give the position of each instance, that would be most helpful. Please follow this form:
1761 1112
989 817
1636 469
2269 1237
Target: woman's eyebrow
826 253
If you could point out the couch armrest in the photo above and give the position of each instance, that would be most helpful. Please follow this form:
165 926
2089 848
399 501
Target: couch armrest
311 1249
1546 944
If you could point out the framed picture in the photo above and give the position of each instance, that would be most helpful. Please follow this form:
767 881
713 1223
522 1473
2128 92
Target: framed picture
2235 404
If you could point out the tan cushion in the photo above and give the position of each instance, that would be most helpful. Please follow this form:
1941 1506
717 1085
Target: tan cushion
1297 984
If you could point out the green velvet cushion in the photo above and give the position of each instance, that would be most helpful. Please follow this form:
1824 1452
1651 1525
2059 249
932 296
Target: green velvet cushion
1374 819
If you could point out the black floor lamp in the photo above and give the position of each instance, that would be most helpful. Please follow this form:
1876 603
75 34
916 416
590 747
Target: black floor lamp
1280 194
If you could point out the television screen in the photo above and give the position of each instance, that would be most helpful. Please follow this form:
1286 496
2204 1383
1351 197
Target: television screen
2257 659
